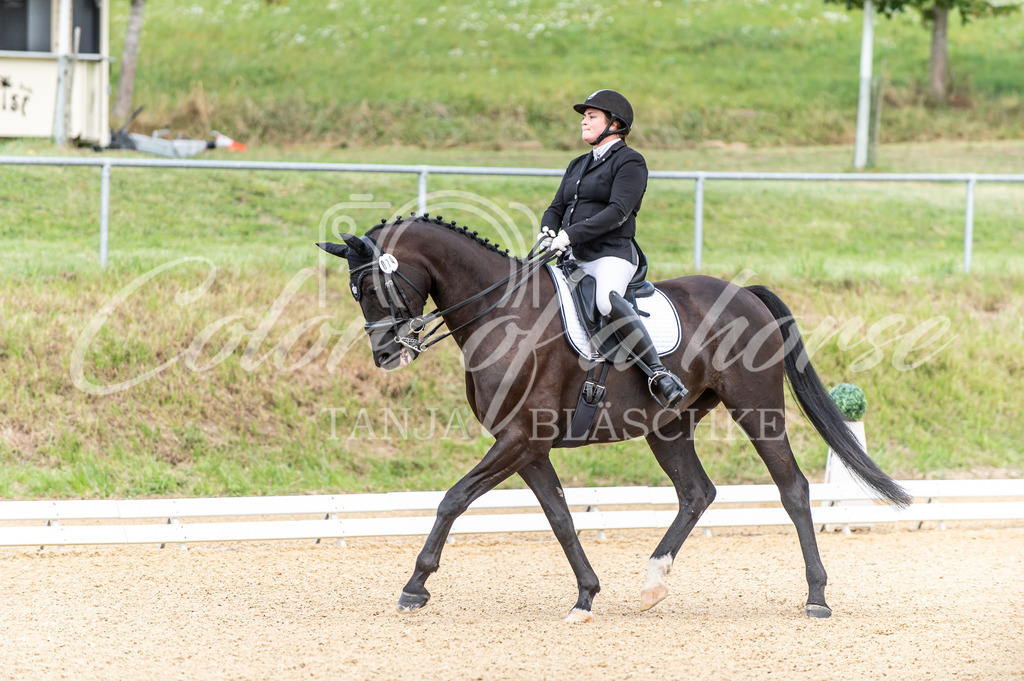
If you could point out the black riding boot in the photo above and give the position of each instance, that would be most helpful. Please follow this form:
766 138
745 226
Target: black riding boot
635 339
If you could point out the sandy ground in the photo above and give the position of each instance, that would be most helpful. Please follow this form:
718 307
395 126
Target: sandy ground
908 605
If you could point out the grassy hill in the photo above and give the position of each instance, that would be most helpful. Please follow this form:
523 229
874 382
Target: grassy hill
501 73
213 405
872 270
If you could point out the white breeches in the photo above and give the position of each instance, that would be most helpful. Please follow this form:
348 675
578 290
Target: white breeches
611 274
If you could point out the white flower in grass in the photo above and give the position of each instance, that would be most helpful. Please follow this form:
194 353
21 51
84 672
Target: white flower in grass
835 17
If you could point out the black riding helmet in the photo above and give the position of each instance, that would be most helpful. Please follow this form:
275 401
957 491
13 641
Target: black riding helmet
615 106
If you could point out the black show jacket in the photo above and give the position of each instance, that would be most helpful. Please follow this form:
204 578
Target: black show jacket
597 203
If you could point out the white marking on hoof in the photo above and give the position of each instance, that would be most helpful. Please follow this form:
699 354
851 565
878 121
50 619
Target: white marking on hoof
654 590
577 616
650 597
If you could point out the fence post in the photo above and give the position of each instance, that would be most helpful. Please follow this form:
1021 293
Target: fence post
104 212
423 190
972 183
698 222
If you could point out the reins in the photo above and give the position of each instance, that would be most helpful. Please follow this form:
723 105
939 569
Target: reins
407 328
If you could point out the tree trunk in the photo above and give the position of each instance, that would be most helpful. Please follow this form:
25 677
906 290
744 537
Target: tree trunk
129 58
938 67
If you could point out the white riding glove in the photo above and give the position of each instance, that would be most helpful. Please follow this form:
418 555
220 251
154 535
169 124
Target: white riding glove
543 239
560 243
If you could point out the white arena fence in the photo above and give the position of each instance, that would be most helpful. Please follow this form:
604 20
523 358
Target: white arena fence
338 516
423 172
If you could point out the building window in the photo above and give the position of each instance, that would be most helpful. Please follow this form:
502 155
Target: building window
25 25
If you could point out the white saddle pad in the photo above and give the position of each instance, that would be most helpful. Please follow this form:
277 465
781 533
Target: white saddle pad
662 325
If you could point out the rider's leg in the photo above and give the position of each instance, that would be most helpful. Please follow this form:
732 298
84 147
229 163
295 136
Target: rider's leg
610 274
634 337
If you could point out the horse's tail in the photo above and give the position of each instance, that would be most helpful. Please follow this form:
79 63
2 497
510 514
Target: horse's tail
818 406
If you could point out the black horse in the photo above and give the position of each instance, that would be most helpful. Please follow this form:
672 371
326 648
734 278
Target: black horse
741 344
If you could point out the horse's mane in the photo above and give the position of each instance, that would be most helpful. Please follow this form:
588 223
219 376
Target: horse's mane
458 229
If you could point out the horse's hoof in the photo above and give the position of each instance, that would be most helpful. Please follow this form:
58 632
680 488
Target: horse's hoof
817 611
577 616
412 602
651 596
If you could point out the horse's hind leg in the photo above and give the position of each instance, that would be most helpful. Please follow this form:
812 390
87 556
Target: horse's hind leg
542 479
766 429
673 448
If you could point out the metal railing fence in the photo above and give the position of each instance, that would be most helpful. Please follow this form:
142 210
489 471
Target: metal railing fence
423 172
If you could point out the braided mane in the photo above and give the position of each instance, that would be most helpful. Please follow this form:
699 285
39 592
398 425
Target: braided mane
458 229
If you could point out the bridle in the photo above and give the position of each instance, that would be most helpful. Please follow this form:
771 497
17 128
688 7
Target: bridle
393 294
405 324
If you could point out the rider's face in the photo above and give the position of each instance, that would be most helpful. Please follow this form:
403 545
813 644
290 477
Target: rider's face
593 124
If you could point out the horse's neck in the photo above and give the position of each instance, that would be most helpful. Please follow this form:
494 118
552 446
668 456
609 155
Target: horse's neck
462 271
466 275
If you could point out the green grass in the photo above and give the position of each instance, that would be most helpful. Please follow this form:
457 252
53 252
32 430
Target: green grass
253 403
299 407
500 74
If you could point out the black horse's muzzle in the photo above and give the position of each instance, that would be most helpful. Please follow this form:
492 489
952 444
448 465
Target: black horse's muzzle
395 342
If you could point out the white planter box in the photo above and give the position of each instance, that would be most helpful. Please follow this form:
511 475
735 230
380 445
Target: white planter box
836 472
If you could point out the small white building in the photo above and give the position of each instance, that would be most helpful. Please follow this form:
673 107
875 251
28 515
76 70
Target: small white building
32 52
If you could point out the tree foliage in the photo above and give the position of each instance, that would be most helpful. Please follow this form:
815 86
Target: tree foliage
968 9
935 13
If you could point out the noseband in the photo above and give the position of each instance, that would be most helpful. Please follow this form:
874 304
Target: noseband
407 327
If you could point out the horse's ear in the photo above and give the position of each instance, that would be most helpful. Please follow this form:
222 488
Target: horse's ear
359 247
339 250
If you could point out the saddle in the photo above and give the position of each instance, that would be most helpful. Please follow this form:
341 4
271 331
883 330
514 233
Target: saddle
584 297
583 291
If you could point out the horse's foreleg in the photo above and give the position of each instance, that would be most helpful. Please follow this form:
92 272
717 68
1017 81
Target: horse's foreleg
674 450
542 479
506 456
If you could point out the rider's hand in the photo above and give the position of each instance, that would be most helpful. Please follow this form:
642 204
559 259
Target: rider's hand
560 243
543 239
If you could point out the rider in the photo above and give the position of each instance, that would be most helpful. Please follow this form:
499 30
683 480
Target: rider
593 215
